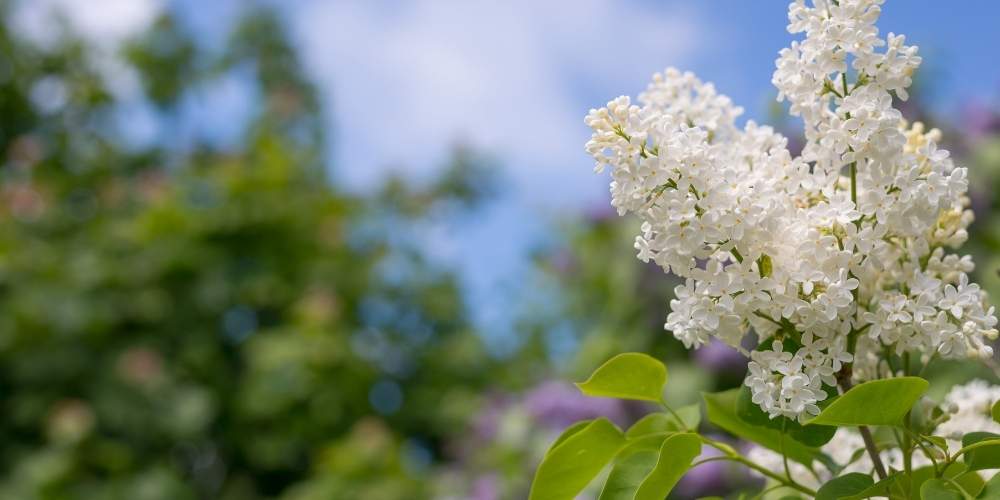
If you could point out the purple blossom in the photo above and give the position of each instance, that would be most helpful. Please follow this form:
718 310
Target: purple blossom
704 479
719 357
486 487
487 422
980 120
557 405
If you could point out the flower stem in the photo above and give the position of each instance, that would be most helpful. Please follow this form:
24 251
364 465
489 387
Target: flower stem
844 379
854 183
729 455
680 421
866 434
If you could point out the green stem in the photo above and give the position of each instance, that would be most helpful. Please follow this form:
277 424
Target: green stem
966 449
866 434
908 453
781 444
731 456
854 182
766 491
677 417
764 316
929 361
918 440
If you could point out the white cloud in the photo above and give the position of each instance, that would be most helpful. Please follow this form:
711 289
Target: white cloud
106 22
406 80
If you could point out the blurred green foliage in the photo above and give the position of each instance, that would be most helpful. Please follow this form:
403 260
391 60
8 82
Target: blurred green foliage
210 322
191 320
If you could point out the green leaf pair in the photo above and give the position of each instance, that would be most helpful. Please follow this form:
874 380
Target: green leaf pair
649 459
647 475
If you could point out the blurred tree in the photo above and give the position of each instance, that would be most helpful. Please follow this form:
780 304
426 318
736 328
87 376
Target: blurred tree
214 322
604 301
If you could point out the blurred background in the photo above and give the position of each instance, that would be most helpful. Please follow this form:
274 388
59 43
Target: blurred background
354 249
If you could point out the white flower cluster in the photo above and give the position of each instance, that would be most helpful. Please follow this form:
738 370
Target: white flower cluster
828 256
969 408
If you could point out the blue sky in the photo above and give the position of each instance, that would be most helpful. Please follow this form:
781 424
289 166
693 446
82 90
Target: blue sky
404 81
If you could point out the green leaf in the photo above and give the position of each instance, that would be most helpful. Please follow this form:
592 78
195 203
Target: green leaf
720 408
628 376
676 455
628 474
651 442
938 441
879 489
566 434
985 457
894 485
569 467
879 402
995 411
662 423
810 435
971 482
991 491
845 486
937 489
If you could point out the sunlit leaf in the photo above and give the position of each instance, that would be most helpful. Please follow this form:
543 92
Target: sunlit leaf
676 455
569 467
628 474
879 402
570 431
628 376
659 423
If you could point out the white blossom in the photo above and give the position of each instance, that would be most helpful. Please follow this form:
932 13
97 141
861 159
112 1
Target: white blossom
827 257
